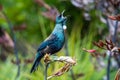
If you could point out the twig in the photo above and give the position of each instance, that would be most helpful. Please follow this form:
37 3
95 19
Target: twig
114 40
109 57
46 68
69 62
14 40
115 32
108 66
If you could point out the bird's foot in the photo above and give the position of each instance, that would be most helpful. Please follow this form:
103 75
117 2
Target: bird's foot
47 58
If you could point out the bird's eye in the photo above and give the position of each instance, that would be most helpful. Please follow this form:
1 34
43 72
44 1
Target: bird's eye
59 16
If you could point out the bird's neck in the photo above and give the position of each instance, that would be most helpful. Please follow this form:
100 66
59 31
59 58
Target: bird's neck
58 28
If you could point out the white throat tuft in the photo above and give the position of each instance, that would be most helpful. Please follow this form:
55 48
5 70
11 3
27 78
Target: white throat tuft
64 27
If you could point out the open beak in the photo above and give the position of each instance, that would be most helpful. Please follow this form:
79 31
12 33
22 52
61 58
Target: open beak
64 19
62 14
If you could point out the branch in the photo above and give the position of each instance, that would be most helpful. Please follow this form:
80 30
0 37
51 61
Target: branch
109 57
115 32
46 68
108 66
69 62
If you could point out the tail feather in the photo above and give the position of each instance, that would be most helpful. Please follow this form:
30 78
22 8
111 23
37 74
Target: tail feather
36 61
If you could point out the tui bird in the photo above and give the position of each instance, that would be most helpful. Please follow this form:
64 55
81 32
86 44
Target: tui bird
53 43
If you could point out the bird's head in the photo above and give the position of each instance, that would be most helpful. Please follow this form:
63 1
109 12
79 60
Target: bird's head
61 19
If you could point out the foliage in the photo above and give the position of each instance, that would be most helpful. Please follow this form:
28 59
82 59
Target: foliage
80 33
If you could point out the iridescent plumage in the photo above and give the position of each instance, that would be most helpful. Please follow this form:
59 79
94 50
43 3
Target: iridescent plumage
53 43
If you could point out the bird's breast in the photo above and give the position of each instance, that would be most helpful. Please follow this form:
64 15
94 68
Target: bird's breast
61 40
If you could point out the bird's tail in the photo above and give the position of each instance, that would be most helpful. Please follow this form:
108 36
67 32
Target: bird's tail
36 61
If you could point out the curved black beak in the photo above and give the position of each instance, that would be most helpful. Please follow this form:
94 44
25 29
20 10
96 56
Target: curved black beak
63 16
62 12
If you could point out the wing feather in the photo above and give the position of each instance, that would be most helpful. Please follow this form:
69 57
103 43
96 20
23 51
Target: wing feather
50 40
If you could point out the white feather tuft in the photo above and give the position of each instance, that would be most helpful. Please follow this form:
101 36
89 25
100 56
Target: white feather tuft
64 27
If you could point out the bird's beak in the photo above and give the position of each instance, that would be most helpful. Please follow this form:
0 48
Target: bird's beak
62 13
65 18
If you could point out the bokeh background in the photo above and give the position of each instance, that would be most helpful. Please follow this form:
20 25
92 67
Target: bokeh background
24 24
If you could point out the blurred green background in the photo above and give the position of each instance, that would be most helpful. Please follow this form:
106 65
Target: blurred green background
81 32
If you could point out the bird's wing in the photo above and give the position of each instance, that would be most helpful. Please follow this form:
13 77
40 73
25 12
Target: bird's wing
51 39
42 46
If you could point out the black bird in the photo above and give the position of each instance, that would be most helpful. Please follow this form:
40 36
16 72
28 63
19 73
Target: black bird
53 43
